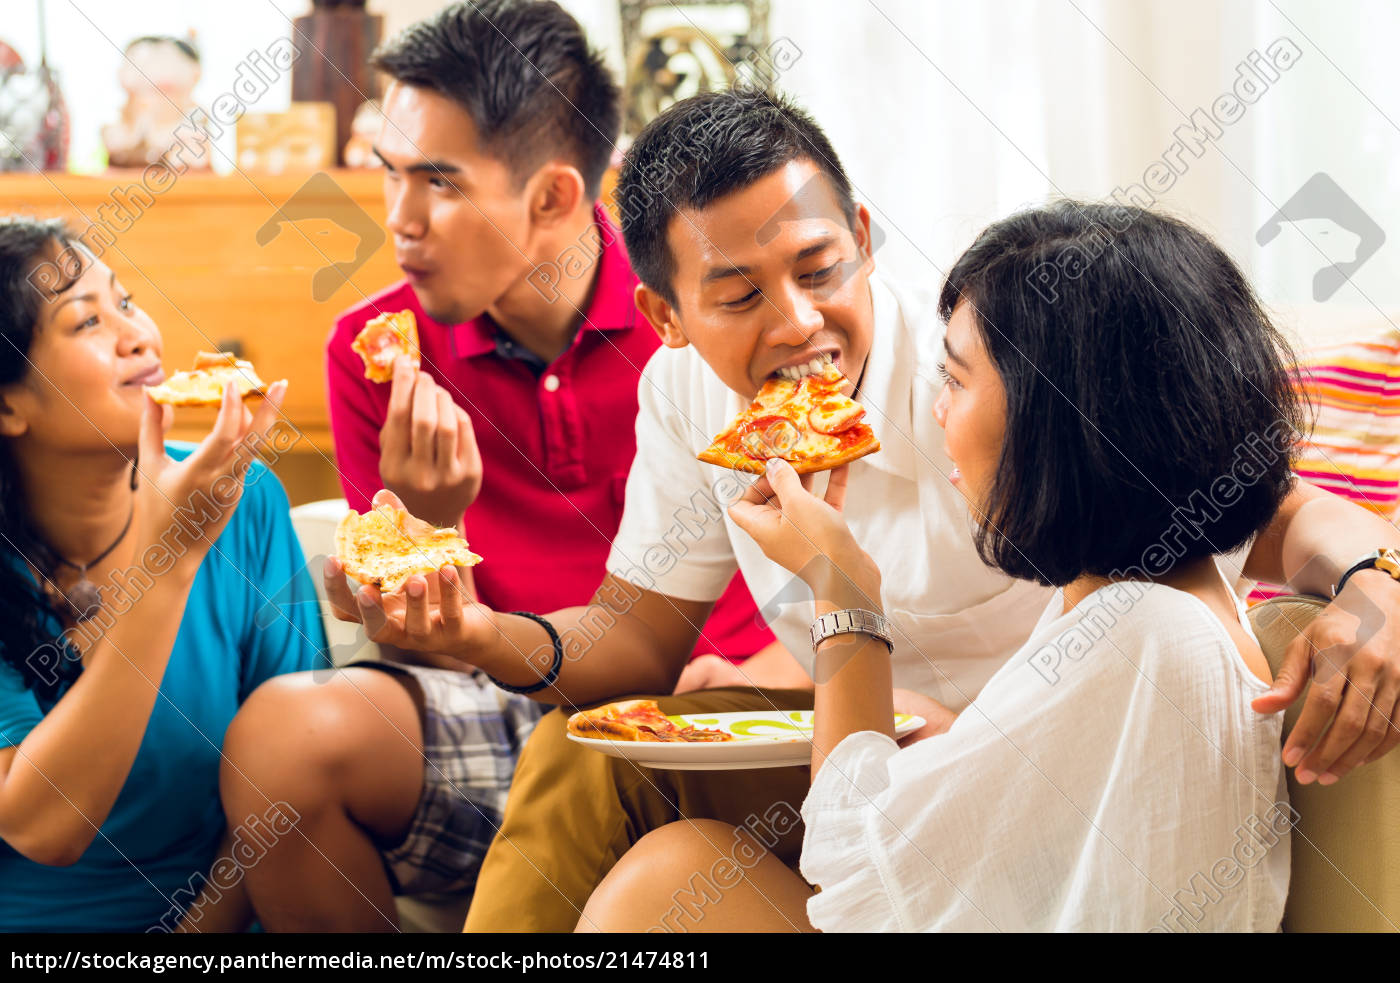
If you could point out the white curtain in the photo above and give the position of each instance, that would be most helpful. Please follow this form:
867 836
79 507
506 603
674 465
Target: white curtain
950 114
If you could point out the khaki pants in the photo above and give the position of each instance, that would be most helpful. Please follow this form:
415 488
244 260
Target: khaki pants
572 813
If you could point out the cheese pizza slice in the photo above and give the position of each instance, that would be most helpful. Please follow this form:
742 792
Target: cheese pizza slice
638 720
386 546
204 384
384 339
808 422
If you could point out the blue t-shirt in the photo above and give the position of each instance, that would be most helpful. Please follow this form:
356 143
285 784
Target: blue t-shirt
252 614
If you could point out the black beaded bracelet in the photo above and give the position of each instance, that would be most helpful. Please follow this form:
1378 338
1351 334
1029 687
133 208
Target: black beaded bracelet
548 679
1367 562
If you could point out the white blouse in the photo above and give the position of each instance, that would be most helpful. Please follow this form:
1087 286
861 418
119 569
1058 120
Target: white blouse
956 619
1111 776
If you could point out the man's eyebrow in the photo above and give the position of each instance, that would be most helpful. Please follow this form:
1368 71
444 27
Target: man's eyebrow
723 272
433 166
814 248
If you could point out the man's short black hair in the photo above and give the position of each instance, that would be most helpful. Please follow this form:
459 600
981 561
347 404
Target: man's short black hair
1150 412
704 148
523 71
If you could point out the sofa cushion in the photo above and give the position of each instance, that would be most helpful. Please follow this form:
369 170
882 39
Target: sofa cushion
1353 450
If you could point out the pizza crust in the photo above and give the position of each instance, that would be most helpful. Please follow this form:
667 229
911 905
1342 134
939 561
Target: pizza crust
742 462
204 384
611 723
386 546
603 722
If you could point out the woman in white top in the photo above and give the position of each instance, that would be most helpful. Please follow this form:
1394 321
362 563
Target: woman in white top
1117 406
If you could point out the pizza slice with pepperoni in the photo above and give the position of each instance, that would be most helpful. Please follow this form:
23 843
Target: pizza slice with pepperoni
384 339
638 720
808 422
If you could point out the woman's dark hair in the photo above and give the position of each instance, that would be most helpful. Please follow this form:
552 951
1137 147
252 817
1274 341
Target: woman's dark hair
1150 414
523 71
702 149
27 615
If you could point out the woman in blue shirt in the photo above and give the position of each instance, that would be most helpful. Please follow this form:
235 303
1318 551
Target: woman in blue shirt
145 590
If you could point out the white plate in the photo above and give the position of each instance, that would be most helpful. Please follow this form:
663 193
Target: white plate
762 739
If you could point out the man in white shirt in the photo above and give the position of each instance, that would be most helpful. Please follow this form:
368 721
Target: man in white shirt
955 620
753 257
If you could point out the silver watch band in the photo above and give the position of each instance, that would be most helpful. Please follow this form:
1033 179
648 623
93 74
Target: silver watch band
852 620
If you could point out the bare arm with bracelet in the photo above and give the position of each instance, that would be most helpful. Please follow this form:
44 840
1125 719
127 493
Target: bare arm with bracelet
625 640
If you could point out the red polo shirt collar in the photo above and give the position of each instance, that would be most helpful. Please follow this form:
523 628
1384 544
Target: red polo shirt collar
610 309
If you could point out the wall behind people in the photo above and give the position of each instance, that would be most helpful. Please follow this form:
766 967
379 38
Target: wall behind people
950 114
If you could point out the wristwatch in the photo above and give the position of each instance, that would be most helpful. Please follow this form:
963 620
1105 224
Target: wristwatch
1386 559
852 620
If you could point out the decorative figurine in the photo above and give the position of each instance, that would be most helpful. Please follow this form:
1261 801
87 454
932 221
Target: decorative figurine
159 75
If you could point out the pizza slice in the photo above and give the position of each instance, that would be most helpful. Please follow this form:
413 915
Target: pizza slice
386 546
204 384
808 422
638 720
384 339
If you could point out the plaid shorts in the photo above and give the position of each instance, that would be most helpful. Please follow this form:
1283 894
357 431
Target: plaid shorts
472 736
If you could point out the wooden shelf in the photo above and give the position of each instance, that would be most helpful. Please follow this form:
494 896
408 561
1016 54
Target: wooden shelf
188 247
315 443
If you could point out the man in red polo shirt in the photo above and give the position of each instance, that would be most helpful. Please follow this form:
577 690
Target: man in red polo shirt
499 124
554 437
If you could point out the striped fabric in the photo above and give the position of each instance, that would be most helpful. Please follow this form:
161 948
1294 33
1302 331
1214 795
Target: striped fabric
1354 448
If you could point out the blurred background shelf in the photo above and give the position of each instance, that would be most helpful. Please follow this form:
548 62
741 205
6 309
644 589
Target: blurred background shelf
191 255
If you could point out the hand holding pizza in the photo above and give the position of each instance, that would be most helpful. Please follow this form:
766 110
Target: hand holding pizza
205 487
432 612
427 448
805 534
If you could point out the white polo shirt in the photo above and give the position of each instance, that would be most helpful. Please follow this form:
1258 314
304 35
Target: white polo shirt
955 620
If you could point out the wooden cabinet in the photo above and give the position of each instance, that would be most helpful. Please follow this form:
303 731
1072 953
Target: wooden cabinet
260 262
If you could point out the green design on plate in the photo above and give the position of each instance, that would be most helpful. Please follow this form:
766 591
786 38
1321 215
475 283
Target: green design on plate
787 723
767 727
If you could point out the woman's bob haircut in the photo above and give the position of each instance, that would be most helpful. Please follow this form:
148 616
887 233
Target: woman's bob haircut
1150 411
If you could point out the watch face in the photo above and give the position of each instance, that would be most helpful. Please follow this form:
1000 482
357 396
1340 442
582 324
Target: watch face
1389 561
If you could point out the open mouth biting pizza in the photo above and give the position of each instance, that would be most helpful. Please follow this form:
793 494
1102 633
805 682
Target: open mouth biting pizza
204 384
807 422
384 339
637 720
386 546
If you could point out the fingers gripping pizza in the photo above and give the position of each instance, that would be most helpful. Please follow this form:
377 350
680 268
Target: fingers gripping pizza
637 720
808 422
204 384
384 339
386 546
